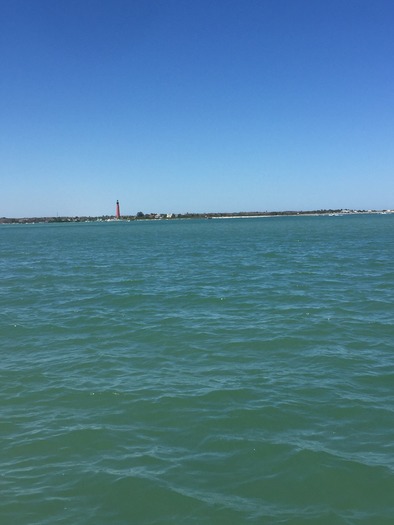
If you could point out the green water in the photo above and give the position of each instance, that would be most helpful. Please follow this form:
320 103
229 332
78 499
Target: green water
211 372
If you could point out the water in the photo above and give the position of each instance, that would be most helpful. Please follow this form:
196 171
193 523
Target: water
207 372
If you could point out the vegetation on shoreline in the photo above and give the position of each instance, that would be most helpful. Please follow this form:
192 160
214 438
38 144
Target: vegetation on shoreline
163 216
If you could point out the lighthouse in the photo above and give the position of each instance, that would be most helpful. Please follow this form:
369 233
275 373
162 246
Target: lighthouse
117 210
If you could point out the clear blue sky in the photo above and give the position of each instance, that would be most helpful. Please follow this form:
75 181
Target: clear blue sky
195 106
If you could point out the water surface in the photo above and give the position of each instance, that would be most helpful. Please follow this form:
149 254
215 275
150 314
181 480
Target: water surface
208 372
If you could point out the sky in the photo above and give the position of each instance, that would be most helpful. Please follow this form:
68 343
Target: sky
177 106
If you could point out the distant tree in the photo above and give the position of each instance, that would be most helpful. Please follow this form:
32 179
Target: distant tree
140 215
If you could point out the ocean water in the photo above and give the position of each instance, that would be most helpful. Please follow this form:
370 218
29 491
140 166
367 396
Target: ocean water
207 372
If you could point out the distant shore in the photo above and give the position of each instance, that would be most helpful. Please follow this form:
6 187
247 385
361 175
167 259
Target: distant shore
171 216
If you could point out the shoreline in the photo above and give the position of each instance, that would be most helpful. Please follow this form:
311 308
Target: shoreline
172 216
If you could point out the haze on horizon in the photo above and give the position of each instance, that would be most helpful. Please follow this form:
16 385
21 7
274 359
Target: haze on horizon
173 106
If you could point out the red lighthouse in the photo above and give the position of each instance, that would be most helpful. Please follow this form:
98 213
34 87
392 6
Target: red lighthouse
117 210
